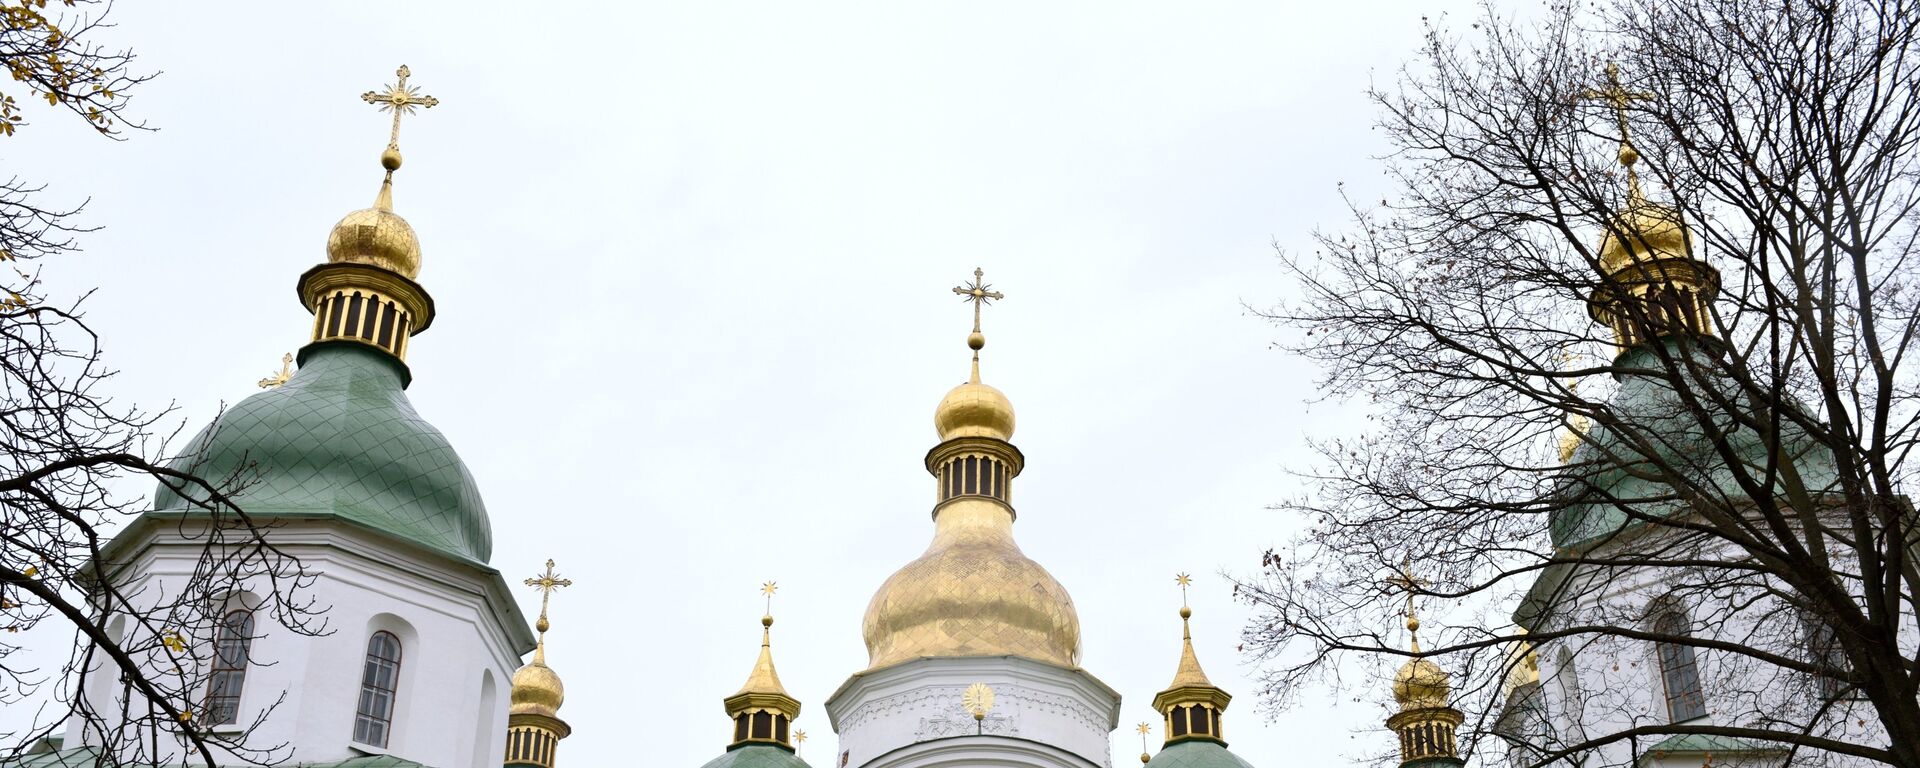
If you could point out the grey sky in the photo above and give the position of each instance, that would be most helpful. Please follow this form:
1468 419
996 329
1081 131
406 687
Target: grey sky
692 265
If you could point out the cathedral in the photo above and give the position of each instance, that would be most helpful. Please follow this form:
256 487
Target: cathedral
973 647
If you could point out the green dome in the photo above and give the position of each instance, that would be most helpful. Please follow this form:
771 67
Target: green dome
757 756
1197 753
340 439
1618 471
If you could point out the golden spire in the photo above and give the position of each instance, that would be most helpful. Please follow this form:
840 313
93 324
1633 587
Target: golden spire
533 720
974 409
1191 704
1425 724
762 710
366 292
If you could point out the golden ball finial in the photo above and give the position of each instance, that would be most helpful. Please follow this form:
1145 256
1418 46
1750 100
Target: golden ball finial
1629 155
390 159
1145 758
542 625
1185 612
976 340
766 621
1413 623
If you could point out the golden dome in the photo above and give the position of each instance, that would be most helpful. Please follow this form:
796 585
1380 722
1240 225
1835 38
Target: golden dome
972 594
1420 683
537 689
377 236
1643 233
974 409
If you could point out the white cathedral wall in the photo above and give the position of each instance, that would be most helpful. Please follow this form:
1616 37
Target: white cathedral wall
455 655
1615 683
909 715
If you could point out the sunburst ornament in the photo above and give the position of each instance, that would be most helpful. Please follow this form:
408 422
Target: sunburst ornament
978 700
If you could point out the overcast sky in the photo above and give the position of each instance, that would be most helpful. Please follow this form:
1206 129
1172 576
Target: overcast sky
692 263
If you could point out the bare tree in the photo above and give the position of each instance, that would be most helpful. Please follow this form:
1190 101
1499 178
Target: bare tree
68 451
1718 333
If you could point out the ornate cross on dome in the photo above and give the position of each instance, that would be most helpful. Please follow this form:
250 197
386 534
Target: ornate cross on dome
546 583
400 99
979 293
1620 98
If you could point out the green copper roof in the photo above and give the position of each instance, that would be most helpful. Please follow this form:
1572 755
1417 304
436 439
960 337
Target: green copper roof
1702 743
341 439
1651 404
1197 753
757 756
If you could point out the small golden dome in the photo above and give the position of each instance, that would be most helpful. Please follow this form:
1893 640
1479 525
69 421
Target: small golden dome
973 593
974 409
1650 232
1420 683
376 237
537 689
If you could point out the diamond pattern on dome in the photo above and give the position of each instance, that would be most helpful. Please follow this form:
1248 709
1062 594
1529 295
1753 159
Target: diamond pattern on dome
757 756
1197 754
341 439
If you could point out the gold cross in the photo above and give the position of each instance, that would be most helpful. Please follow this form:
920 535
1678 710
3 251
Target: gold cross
285 374
1184 581
800 739
546 583
978 293
1405 580
400 99
768 589
1620 98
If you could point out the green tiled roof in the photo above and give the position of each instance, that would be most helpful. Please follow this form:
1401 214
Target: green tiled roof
341 439
1653 406
1701 743
757 756
1197 753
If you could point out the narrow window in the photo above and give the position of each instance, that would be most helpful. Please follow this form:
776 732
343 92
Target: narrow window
973 475
379 684
1000 480
953 478
333 315
1567 678
762 725
230 646
353 315
1679 670
780 728
740 728
386 326
1179 721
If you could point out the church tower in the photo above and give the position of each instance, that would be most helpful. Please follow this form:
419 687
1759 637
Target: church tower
973 648
385 520
762 711
1190 709
534 727
1426 722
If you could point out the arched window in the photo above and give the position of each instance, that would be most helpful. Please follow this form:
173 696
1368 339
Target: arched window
1566 677
1679 671
230 646
1823 649
379 683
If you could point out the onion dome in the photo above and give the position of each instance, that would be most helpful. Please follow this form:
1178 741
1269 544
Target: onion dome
1190 710
1425 723
1652 286
341 441
534 727
377 236
973 592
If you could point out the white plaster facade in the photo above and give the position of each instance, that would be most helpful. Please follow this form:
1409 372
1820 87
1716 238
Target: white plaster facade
909 715
1595 685
460 632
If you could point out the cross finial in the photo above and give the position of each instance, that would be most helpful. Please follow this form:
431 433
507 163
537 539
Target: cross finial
980 294
546 582
1617 96
1144 729
1404 579
285 374
400 99
768 589
1184 581
800 740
